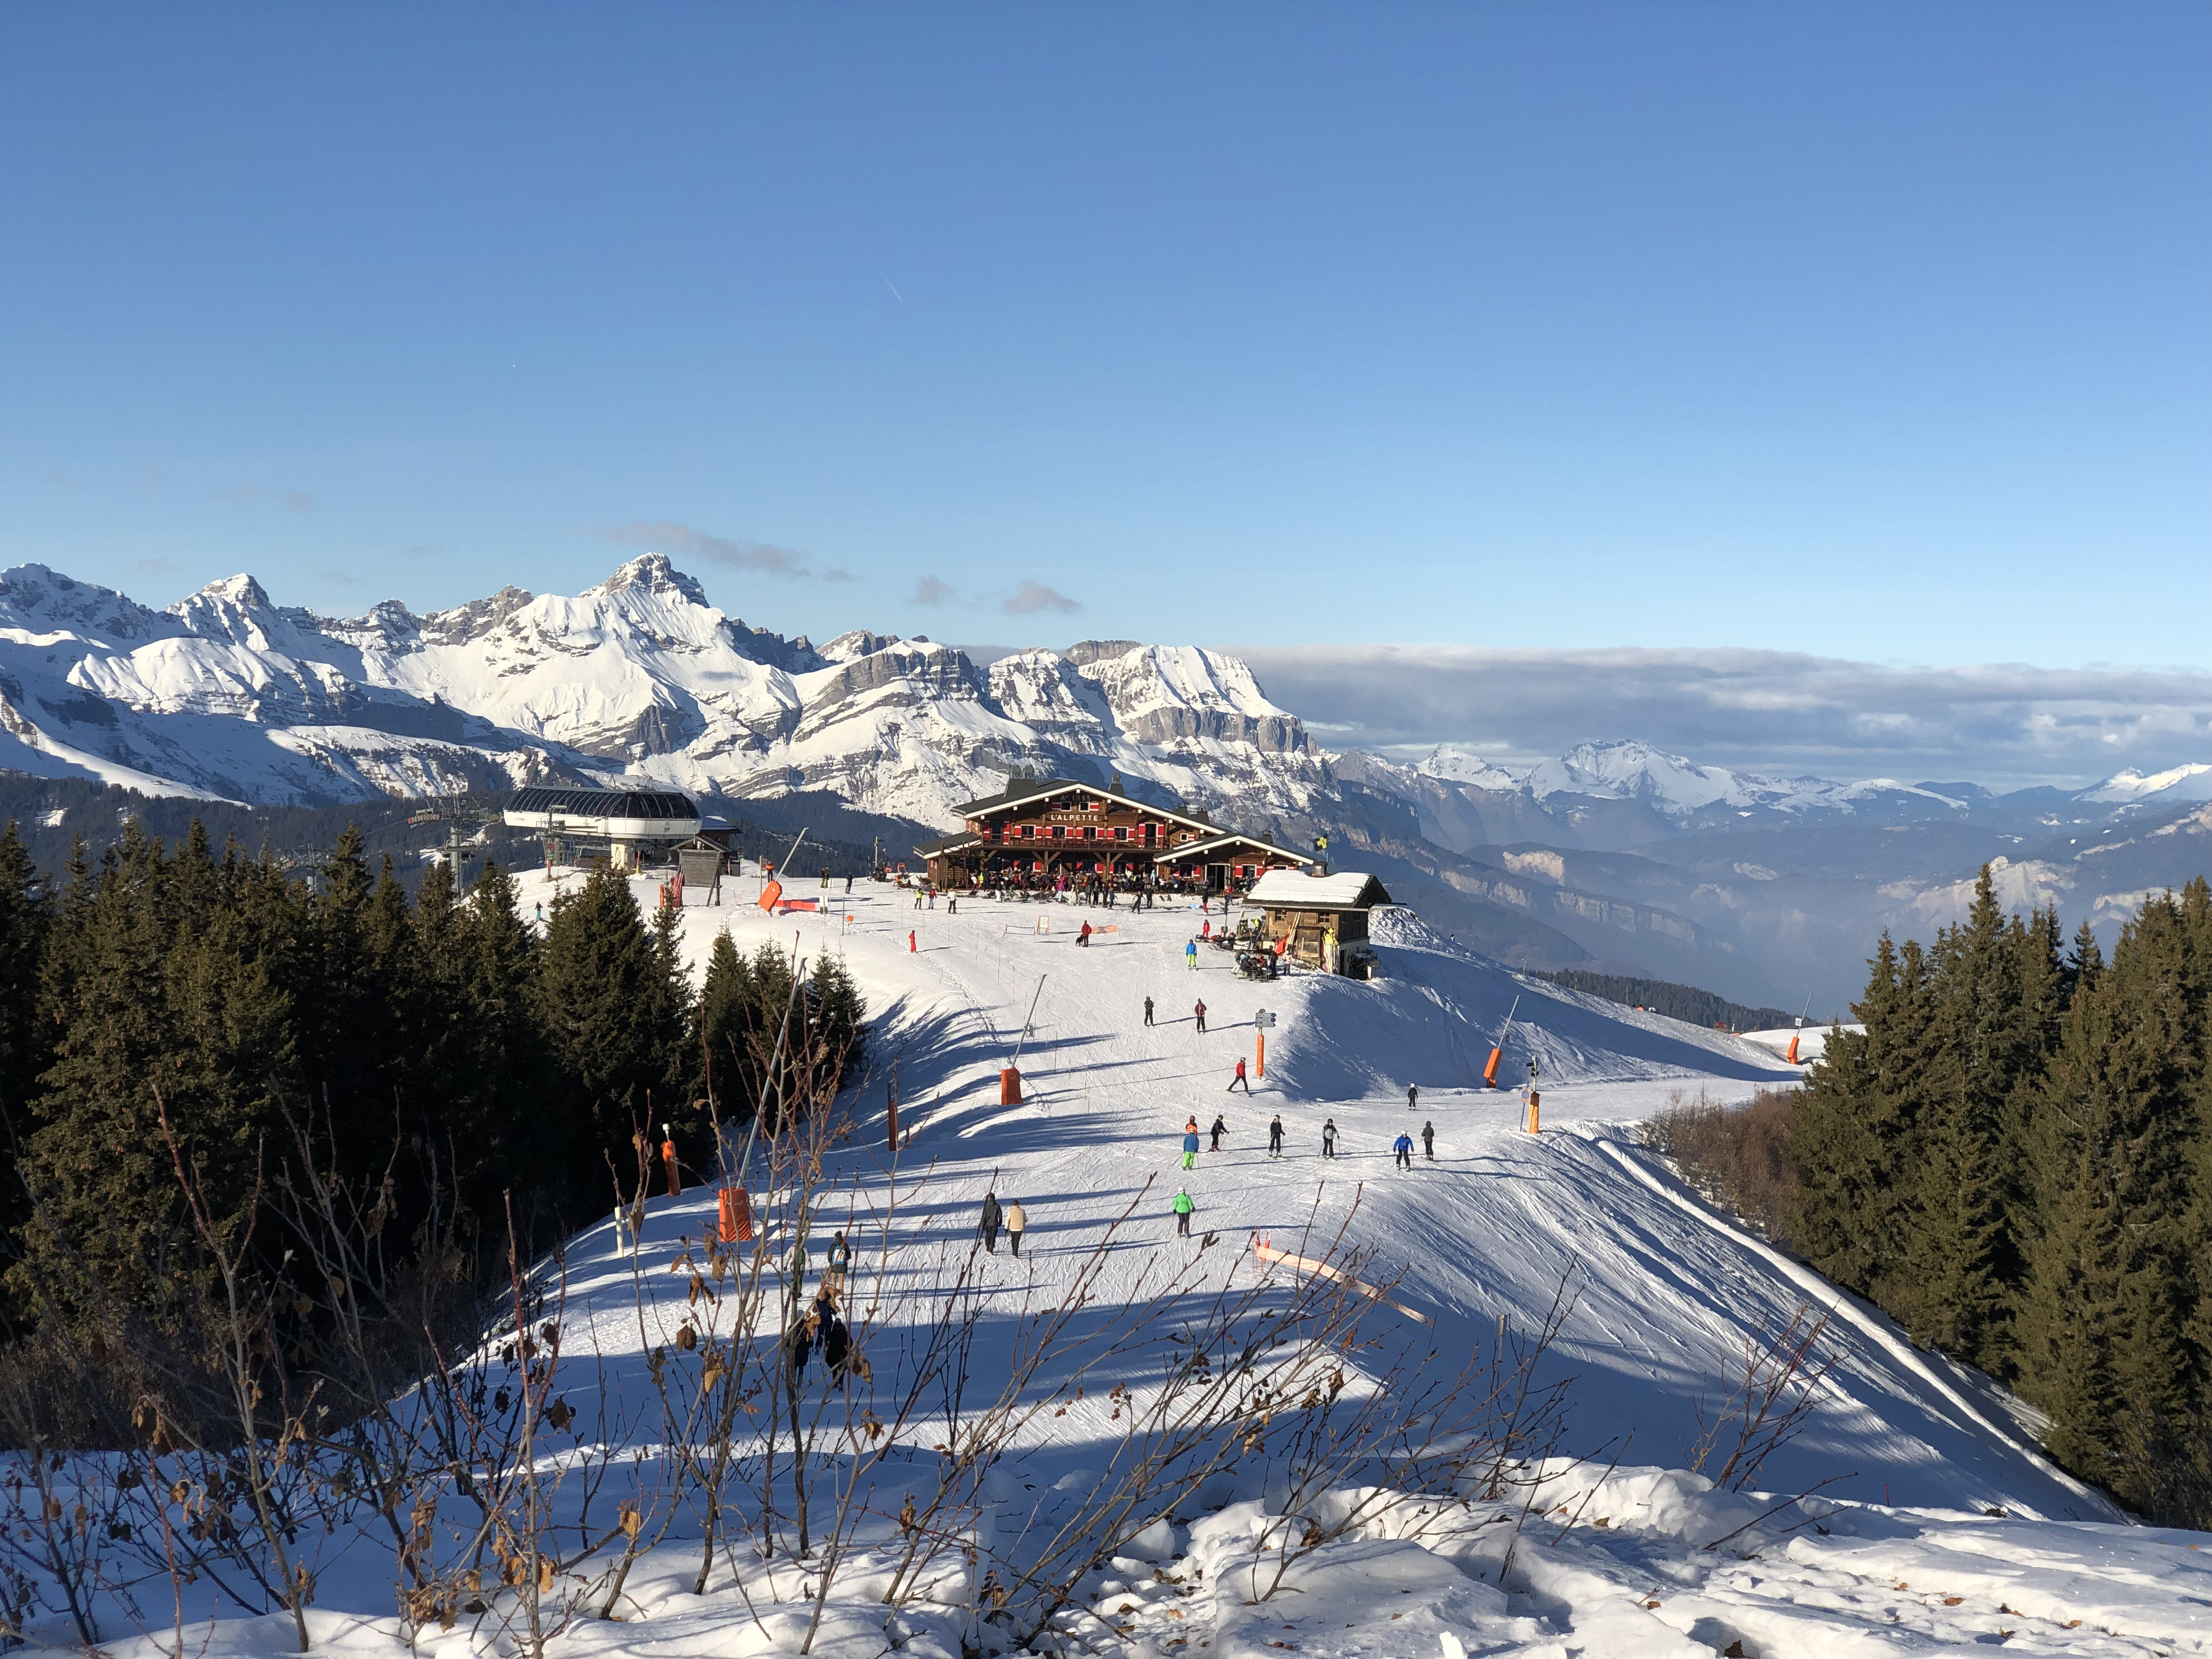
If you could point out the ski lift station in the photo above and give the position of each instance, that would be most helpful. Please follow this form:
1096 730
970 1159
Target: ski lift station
634 826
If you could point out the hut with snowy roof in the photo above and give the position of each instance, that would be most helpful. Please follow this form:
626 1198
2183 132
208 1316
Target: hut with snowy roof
1323 918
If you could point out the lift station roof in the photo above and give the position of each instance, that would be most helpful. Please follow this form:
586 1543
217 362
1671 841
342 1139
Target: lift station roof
611 814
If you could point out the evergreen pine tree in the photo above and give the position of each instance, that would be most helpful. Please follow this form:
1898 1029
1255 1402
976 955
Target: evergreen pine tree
724 1022
1852 1135
604 1003
24 920
2106 1346
499 1139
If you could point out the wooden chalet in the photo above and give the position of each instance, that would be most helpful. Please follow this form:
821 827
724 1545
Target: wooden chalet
1052 827
1323 917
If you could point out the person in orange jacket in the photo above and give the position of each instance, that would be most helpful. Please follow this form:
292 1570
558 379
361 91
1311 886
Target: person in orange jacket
668 1162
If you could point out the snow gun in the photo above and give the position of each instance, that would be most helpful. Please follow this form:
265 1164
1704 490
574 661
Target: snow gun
1010 1076
772 894
1497 1049
1792 1055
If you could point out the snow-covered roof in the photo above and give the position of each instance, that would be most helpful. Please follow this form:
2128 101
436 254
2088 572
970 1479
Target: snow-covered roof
1293 890
1194 849
957 842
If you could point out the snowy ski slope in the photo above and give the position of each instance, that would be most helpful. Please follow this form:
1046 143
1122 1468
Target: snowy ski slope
1938 1526
1667 1292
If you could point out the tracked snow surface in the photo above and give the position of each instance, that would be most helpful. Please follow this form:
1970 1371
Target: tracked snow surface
1935 1522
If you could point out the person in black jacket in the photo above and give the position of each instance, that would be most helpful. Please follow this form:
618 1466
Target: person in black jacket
798 1343
989 1226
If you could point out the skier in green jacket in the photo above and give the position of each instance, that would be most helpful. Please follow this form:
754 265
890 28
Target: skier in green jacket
1184 1207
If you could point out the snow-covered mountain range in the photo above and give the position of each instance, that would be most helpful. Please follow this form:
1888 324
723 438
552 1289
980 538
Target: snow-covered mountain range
226 694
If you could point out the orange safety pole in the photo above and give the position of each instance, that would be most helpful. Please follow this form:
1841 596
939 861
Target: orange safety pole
1490 1072
1536 1112
1263 1053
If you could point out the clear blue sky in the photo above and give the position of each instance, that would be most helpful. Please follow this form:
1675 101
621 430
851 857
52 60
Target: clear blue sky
1878 331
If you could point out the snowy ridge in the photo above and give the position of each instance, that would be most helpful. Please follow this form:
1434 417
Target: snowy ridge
2177 784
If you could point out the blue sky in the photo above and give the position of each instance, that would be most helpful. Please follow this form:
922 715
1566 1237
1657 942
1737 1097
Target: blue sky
1883 332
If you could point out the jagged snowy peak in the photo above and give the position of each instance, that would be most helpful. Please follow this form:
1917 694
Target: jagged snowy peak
857 643
1165 695
37 600
2176 785
1453 763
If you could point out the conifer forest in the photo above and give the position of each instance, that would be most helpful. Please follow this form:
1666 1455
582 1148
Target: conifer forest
2015 1161
192 1038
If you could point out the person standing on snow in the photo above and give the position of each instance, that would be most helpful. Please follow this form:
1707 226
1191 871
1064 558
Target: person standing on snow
1184 1207
1240 1081
1412 1095
1190 956
1403 1146
1016 1219
1148 1010
1083 938
1276 1137
989 1225
798 1343
1429 1141
1220 1129
1329 1139
1200 1011
841 1259
1190 1144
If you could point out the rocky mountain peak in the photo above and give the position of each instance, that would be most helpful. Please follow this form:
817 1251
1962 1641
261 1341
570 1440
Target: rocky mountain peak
1084 653
41 600
655 573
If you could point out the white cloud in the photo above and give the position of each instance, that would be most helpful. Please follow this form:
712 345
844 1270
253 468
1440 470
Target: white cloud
1031 598
2002 725
763 557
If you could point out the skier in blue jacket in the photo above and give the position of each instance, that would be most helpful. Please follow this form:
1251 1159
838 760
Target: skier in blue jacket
1190 1146
1404 1147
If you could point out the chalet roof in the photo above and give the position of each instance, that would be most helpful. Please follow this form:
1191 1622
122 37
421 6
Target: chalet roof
1292 889
1193 850
952 843
1021 793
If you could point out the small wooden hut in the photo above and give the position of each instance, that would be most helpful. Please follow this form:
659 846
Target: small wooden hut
1323 917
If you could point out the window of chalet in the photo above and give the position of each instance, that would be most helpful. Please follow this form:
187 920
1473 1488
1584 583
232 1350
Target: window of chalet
1059 830
1028 829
